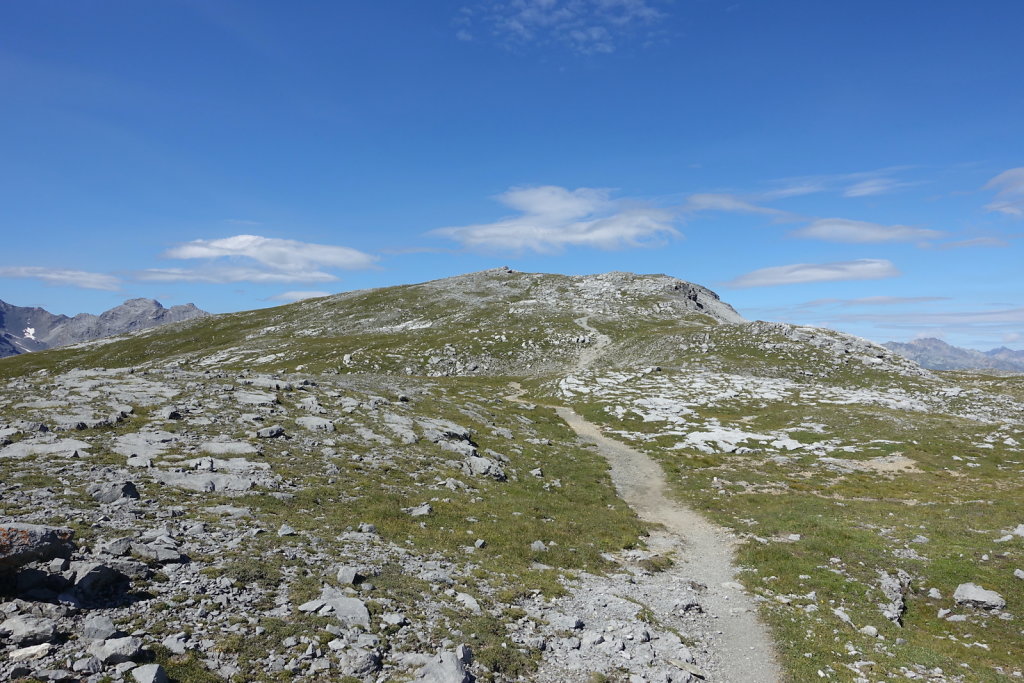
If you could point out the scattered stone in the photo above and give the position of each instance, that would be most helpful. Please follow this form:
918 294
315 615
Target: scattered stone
270 432
99 627
538 547
117 650
973 595
25 630
421 510
446 667
150 673
110 493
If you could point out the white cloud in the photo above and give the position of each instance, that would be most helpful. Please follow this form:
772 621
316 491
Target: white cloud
297 296
584 26
274 253
57 276
961 319
1009 186
801 273
862 232
552 218
252 258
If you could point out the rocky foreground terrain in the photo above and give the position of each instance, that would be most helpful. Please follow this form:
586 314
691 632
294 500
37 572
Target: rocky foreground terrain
494 477
24 329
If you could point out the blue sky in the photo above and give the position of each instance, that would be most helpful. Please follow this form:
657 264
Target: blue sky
854 165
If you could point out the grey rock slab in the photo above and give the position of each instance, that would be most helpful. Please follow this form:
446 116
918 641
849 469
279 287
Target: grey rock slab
316 424
421 510
445 668
271 432
229 448
31 652
24 543
25 630
485 467
150 673
112 492
203 481
66 448
349 576
255 398
117 650
348 611
973 595
99 627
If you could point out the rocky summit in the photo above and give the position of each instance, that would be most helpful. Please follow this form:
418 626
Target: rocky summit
507 476
24 329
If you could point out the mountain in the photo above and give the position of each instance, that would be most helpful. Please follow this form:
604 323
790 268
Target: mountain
25 329
507 476
938 355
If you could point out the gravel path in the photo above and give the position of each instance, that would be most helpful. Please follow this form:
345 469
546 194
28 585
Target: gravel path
743 651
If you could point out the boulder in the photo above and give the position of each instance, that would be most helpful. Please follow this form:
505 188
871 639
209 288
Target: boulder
316 424
24 543
973 595
150 673
446 667
25 630
110 493
117 650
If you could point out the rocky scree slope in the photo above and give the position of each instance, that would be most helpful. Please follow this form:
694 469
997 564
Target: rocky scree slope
24 329
337 488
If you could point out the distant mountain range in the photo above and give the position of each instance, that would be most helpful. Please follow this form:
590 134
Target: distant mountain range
24 329
936 354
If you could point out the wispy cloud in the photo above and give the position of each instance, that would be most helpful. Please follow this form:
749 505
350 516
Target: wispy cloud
552 218
58 276
252 258
862 232
583 26
860 184
994 317
803 273
297 296
1009 187
974 242
731 203
223 274
873 301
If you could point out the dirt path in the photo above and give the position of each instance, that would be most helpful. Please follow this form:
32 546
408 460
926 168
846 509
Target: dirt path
743 651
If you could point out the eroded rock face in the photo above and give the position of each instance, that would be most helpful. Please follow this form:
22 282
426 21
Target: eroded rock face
24 543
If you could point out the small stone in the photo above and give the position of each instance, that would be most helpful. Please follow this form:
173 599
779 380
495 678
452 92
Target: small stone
286 530
117 650
88 665
270 432
481 543
538 547
99 627
31 652
349 576
111 493
421 510
150 673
